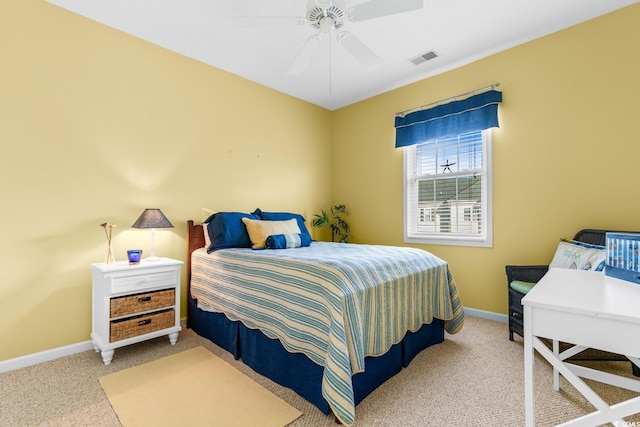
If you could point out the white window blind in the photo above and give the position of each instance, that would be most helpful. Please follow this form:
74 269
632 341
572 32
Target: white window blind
448 190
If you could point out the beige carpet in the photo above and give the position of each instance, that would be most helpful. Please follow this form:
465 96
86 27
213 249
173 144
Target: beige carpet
206 390
474 378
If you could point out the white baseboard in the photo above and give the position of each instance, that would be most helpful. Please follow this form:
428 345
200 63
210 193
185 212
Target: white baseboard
56 353
48 355
503 318
44 356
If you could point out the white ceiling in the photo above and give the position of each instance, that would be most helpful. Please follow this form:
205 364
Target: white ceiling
460 31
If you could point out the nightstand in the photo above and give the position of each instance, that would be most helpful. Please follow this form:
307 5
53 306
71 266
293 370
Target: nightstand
134 303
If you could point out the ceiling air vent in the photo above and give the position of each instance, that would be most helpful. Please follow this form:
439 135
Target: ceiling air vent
427 56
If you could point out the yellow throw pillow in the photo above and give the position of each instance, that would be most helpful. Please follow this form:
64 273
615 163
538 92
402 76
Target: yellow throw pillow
260 230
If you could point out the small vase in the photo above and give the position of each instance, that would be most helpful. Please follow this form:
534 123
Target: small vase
109 259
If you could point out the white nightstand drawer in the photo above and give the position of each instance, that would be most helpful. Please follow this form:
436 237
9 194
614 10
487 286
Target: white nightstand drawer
141 282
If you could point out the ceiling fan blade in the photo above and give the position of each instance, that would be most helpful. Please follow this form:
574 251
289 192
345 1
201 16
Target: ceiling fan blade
304 56
359 50
377 8
265 21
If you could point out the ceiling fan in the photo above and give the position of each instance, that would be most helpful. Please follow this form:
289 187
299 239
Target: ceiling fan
329 17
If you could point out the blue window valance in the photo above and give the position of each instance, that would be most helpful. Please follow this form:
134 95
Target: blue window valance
478 112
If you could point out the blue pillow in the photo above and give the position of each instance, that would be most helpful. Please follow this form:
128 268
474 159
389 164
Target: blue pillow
286 241
226 230
283 216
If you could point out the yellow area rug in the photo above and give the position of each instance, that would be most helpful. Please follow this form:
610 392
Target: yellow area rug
193 388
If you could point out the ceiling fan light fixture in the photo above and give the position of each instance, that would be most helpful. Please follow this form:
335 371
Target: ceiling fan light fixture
326 25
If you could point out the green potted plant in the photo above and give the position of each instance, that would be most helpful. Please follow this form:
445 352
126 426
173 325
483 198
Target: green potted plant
336 222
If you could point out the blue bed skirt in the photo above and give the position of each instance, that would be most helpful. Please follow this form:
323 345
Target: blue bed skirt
296 371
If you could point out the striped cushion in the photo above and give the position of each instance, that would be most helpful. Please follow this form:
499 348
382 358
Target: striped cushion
288 241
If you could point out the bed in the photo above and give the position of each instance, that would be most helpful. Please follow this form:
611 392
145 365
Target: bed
332 328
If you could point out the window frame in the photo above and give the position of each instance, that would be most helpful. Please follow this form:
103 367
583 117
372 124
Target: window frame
409 157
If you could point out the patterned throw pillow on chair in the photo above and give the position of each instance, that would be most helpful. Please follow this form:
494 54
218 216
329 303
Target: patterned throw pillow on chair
579 256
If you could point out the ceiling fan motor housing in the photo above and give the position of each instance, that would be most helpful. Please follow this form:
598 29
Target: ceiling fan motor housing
325 16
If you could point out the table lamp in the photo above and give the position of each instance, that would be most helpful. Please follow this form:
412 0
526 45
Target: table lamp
152 218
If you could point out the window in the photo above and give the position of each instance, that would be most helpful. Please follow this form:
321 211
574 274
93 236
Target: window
448 190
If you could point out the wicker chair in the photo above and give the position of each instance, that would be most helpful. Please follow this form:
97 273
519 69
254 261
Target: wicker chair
532 274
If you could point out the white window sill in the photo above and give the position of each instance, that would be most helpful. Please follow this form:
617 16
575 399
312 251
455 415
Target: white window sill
449 241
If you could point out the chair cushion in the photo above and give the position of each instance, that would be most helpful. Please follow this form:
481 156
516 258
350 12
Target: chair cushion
522 287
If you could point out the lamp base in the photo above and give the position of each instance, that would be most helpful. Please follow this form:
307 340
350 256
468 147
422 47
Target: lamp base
152 258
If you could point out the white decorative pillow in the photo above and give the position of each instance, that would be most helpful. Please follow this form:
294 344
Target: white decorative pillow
260 230
579 256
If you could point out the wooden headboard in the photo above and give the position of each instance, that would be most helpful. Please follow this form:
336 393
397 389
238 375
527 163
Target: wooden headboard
195 240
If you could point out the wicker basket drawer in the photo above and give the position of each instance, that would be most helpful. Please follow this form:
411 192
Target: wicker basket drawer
140 325
138 303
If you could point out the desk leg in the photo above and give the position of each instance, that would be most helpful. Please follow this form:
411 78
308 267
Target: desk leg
604 413
556 374
529 410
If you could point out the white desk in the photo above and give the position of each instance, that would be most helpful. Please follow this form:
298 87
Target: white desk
590 310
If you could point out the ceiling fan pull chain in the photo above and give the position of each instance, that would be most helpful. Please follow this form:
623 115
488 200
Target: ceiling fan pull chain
330 71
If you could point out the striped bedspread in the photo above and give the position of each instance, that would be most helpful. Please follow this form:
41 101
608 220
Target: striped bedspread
336 303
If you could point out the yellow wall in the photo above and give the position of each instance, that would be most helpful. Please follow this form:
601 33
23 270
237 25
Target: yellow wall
566 155
95 126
